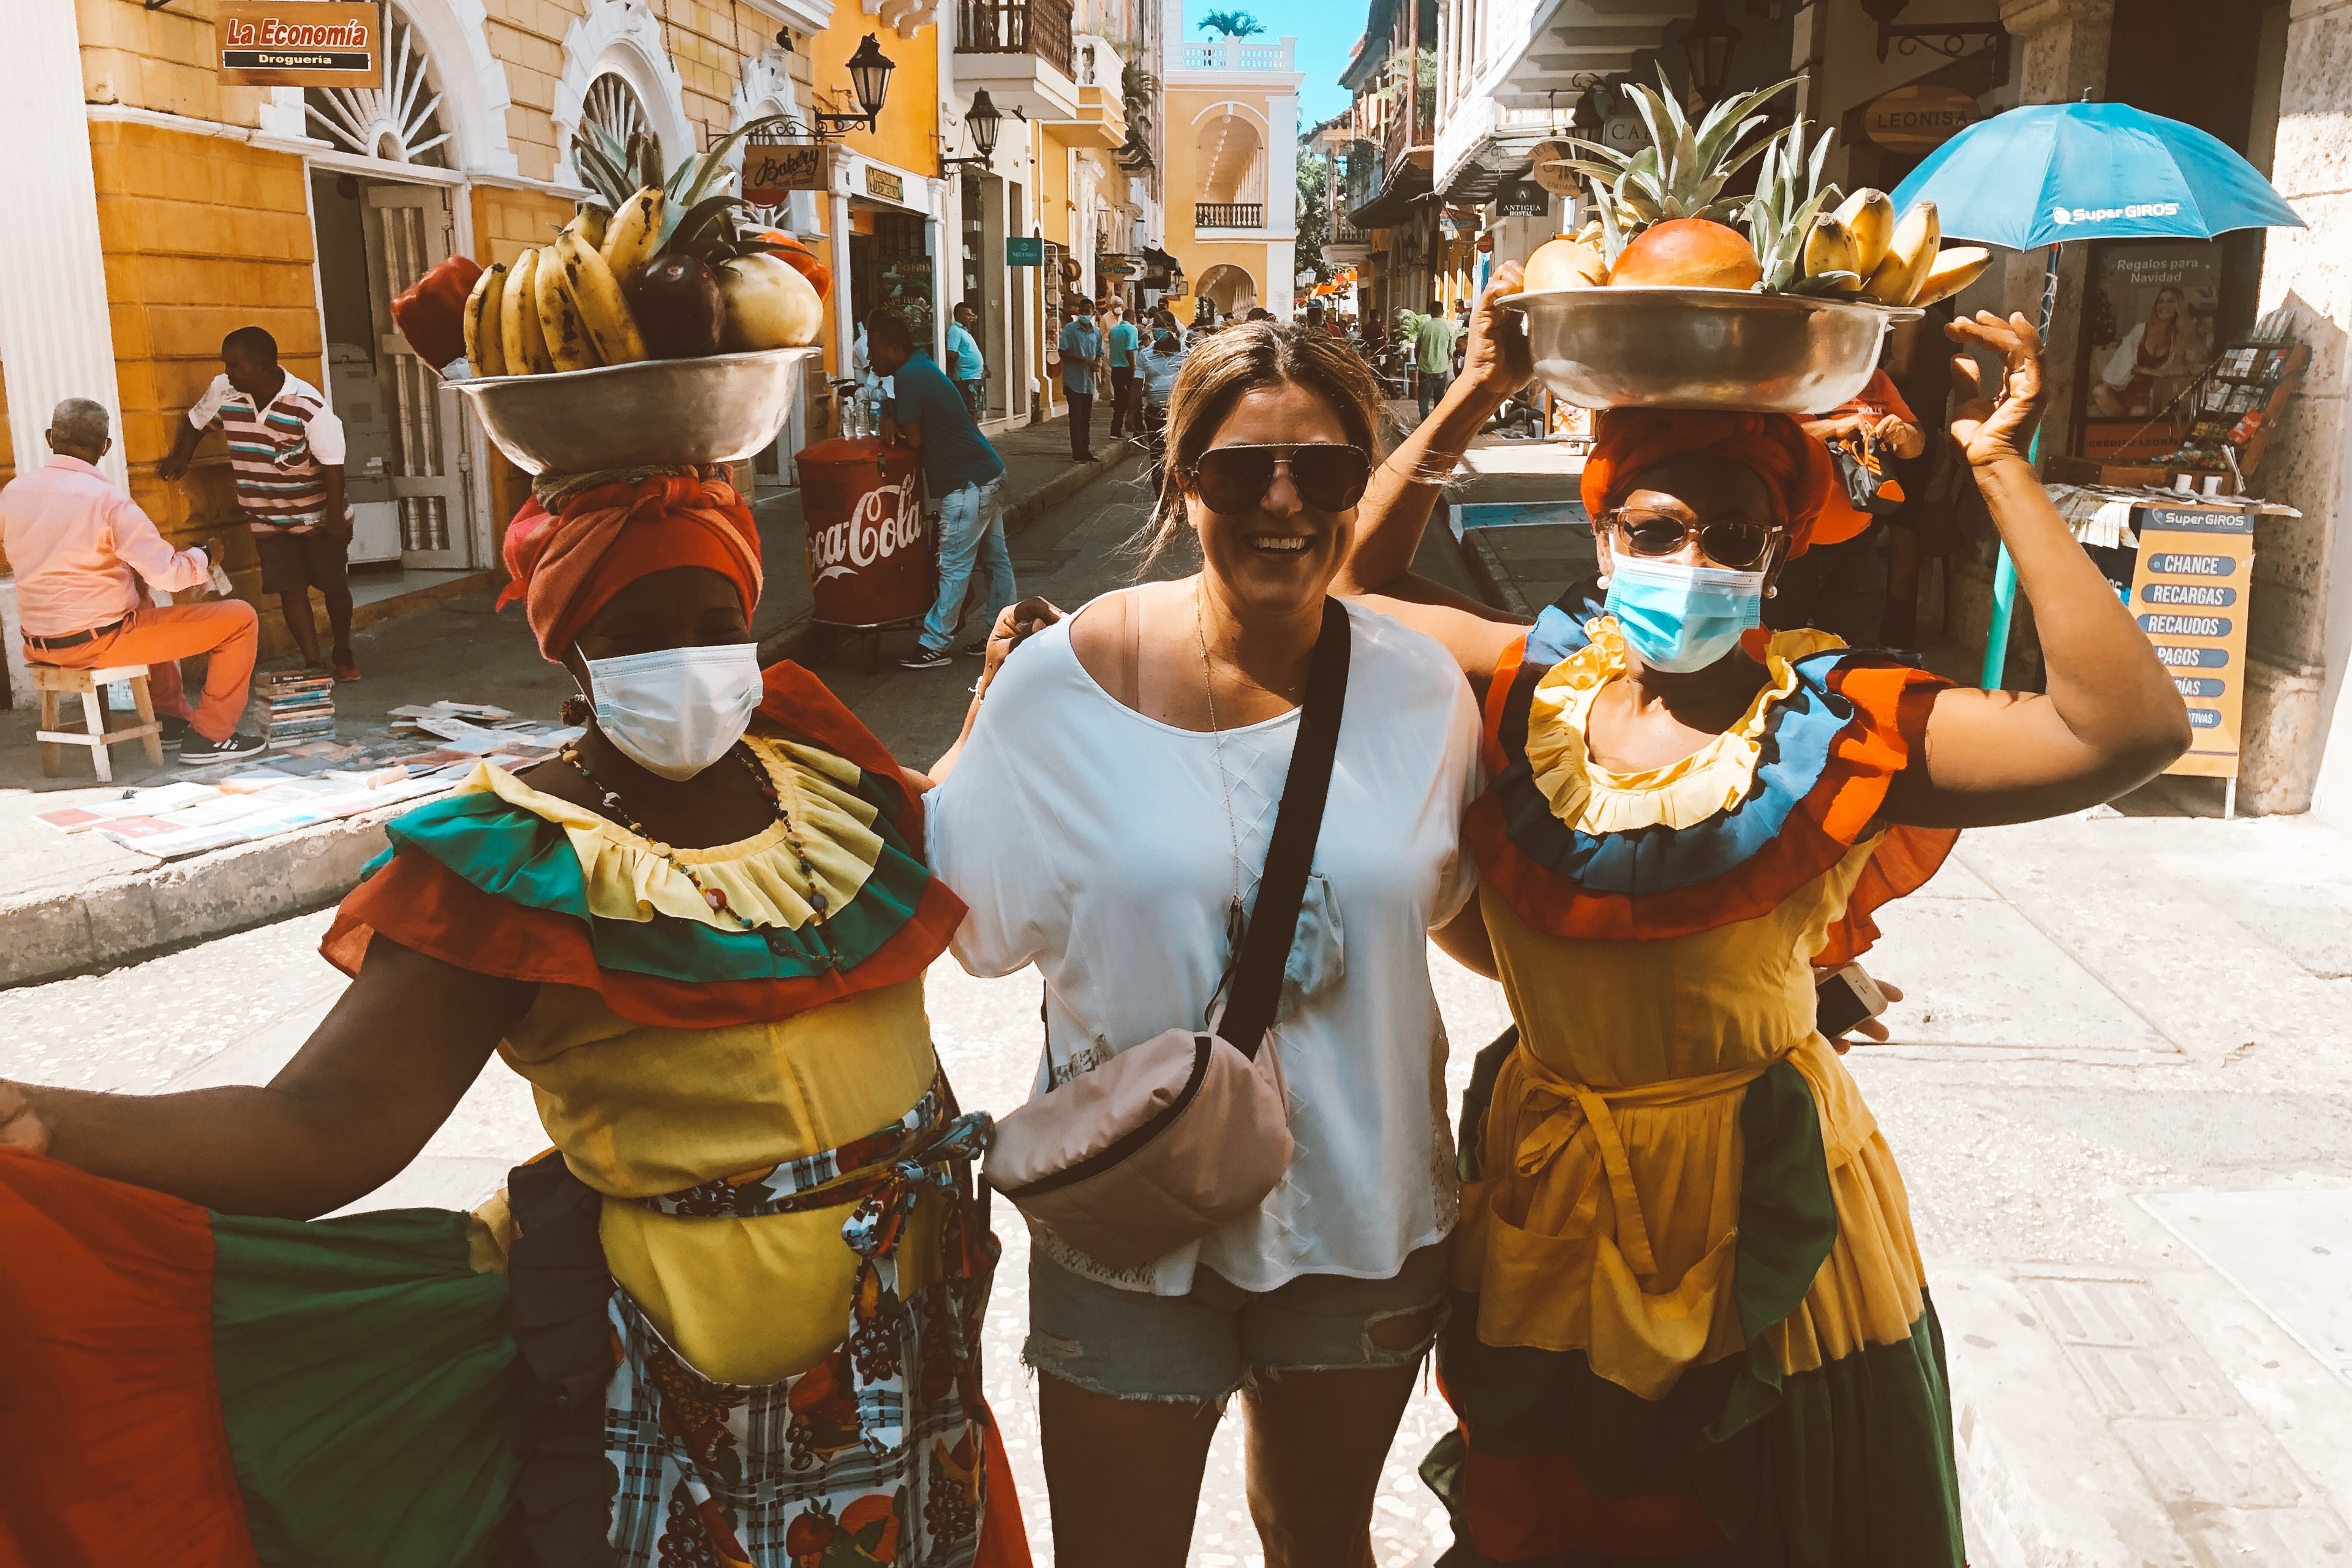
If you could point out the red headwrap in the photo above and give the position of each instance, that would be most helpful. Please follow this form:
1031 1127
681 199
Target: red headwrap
1795 467
568 564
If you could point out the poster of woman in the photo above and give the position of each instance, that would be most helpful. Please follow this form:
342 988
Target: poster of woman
2152 325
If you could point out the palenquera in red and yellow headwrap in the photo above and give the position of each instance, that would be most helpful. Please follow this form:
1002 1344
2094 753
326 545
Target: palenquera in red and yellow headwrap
732 1318
1691 1325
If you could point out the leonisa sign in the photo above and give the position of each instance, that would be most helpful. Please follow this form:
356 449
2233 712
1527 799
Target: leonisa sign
1919 118
300 43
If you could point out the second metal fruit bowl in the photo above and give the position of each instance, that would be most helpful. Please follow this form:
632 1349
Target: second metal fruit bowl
720 408
1703 348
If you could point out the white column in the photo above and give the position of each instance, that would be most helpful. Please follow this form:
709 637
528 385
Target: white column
56 340
844 329
1282 165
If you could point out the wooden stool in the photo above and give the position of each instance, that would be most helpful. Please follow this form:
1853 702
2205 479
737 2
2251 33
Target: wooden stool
54 682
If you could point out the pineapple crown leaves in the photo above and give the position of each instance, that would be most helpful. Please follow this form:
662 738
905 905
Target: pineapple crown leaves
1682 172
1789 196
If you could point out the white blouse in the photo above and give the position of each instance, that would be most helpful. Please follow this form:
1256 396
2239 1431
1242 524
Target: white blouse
1092 841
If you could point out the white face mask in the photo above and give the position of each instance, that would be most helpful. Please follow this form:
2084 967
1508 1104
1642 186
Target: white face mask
676 711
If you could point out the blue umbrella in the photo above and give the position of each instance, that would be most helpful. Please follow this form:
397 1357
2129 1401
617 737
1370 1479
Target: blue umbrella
2048 173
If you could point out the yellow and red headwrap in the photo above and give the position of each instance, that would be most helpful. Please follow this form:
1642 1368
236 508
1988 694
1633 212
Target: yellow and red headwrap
567 564
1795 467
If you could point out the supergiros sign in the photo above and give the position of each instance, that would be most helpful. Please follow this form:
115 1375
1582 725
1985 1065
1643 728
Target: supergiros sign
1919 118
300 43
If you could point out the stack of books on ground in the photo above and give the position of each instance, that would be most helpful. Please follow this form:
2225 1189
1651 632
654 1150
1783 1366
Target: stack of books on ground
297 707
306 783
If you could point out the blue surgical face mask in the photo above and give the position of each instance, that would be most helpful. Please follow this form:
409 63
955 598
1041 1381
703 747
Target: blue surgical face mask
1680 618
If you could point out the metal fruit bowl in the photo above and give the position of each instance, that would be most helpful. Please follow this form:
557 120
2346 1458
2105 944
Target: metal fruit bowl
717 409
1703 348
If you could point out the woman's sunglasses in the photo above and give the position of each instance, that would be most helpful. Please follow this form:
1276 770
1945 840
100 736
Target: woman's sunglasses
1738 545
1329 476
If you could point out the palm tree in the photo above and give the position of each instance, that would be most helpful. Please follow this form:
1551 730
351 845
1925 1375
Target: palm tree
1232 24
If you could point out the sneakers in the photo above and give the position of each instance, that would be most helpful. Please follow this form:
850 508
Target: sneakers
975 649
926 658
175 731
196 750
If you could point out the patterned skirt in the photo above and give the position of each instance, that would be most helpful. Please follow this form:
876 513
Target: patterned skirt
217 1391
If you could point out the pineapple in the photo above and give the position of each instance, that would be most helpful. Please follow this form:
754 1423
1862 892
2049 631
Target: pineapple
1789 196
1682 172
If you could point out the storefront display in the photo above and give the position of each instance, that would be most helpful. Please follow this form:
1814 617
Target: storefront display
2151 329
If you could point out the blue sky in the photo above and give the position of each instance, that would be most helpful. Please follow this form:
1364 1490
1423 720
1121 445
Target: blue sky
1326 31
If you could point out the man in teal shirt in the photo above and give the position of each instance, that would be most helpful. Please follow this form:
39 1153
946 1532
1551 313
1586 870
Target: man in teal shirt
1432 344
968 371
1081 350
1122 341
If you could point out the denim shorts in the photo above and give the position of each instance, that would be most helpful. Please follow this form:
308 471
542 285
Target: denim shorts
1203 1345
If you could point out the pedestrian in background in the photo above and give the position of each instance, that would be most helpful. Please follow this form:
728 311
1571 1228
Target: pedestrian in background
286 450
964 471
1840 584
1432 344
1081 348
1120 342
82 549
1156 368
971 371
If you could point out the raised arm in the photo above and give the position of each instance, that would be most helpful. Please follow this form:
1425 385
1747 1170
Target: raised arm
372 1085
1395 509
2112 719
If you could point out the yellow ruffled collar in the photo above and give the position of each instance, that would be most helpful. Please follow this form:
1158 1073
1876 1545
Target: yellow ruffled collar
631 879
1684 793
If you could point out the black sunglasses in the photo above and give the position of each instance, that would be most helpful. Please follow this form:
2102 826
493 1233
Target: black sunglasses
1329 476
1738 545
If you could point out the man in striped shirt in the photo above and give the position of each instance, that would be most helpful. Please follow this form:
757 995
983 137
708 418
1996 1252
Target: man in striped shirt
286 450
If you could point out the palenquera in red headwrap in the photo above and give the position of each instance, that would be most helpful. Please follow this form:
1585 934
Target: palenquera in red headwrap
1795 467
755 1193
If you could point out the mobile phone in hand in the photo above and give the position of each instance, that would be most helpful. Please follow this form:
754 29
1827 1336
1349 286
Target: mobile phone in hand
1846 997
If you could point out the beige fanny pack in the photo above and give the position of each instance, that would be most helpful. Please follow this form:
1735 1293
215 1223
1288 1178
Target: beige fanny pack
1188 1132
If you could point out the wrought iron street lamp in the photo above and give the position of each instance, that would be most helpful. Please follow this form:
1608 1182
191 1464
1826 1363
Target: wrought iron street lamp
982 122
869 78
1706 44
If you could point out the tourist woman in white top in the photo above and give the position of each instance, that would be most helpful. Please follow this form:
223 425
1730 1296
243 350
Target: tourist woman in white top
1108 808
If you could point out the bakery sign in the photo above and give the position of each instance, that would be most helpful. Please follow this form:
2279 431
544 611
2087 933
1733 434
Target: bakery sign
1919 118
299 43
775 169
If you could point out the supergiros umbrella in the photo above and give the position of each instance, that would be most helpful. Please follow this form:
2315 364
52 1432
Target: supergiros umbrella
2048 173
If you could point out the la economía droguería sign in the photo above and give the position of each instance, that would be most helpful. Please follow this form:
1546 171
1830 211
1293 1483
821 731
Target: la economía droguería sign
300 43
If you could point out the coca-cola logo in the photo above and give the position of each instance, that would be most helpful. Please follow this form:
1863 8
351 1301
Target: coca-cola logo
889 519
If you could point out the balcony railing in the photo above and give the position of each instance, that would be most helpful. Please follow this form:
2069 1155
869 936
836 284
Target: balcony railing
1236 55
1343 231
1036 27
1228 214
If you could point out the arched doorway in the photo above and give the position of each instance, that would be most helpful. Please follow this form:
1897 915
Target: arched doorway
1231 291
399 122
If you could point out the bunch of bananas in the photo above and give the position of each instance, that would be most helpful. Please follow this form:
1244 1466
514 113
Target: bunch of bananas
1861 250
665 273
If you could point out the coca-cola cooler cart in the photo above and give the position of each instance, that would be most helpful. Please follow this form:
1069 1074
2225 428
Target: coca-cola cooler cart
872 557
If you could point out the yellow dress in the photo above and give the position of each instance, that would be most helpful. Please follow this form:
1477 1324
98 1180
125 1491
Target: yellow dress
1690 1322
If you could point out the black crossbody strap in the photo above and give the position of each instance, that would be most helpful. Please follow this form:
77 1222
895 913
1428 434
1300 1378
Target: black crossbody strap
1274 922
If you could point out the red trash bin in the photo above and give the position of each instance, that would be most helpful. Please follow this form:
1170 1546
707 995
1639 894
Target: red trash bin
870 553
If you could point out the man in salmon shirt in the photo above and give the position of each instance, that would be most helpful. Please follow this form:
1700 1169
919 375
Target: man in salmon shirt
1840 584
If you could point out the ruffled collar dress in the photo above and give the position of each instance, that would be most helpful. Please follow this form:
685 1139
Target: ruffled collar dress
1691 1323
732 1318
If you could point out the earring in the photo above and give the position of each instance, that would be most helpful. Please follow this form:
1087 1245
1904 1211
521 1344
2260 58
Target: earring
1601 581
1773 591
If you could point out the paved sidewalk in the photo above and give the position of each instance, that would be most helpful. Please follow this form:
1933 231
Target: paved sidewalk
72 903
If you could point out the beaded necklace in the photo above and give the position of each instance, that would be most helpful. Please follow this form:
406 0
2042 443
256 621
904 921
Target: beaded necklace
778 940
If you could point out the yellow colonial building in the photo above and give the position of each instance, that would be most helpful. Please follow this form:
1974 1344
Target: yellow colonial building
157 208
1232 135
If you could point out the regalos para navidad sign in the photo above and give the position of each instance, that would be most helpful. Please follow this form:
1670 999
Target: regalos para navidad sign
300 43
